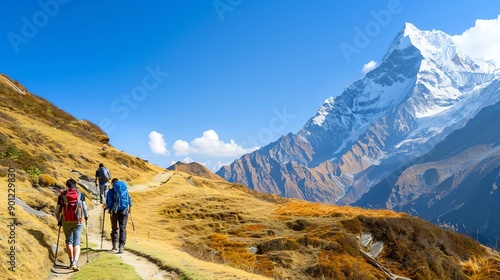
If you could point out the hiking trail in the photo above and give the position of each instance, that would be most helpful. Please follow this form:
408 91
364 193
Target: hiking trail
143 267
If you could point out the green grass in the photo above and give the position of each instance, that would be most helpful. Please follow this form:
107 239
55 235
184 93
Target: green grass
106 267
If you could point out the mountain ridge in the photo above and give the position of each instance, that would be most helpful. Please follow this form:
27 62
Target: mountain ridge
424 89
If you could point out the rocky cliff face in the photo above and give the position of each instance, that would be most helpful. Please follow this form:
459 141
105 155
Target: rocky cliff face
455 184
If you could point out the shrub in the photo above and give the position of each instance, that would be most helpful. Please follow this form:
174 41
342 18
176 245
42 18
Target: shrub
352 225
298 225
33 171
45 180
349 245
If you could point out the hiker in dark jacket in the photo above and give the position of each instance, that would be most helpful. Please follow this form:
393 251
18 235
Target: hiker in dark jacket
71 222
119 205
102 177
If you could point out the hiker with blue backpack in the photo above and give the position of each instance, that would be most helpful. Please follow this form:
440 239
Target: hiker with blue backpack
70 211
102 177
118 204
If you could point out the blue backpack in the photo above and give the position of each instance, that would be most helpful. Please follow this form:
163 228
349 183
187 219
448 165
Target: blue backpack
121 198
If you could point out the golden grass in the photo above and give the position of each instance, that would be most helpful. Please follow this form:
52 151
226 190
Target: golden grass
209 229
215 224
311 209
33 133
480 268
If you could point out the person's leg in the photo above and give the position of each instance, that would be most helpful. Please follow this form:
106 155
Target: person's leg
101 192
77 234
69 241
123 218
69 249
114 231
106 188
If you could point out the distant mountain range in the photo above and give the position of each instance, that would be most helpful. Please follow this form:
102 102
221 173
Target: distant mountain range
368 146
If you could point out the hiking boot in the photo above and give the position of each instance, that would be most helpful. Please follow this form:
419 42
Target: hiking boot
120 250
70 263
115 247
74 266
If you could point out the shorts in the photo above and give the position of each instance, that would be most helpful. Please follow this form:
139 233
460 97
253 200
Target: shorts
73 233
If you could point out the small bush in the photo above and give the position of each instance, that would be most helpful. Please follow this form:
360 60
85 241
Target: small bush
277 244
349 245
298 225
352 225
45 180
312 242
33 171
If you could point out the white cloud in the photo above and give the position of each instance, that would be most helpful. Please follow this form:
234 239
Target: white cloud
209 144
482 40
188 160
221 164
369 66
157 143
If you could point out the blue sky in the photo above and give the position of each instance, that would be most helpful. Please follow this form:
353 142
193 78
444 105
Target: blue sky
206 80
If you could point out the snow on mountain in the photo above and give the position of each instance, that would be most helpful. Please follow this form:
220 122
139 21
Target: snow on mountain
424 88
445 81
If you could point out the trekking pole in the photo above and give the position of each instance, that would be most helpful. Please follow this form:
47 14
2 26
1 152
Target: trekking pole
87 238
133 227
57 244
102 232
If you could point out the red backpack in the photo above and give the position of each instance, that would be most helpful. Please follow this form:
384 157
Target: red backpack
72 206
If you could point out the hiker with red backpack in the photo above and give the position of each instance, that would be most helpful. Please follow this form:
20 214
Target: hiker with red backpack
102 177
70 211
118 204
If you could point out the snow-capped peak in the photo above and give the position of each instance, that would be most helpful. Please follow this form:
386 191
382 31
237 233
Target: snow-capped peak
323 111
435 46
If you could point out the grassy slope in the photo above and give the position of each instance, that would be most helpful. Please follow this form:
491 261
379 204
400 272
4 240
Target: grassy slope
27 139
219 221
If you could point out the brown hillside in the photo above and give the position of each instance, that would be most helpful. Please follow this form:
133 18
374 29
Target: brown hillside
196 169
41 147
207 229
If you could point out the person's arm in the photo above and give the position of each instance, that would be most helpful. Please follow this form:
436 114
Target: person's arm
58 211
129 204
109 199
84 207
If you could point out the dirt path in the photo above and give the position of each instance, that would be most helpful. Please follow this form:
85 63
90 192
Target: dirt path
143 267
157 180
